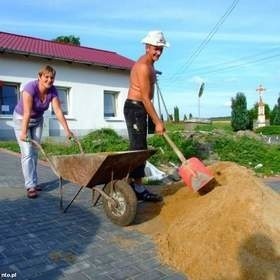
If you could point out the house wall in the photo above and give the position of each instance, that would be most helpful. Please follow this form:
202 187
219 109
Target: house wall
86 97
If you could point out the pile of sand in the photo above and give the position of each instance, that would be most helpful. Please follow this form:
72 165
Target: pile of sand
232 232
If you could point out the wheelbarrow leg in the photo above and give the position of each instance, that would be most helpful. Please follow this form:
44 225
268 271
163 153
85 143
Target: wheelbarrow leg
61 193
95 197
64 211
98 192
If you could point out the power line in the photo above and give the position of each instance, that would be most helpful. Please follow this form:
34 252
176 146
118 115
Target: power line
254 56
210 35
227 66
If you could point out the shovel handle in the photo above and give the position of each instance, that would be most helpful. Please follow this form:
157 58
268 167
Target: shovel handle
179 154
174 148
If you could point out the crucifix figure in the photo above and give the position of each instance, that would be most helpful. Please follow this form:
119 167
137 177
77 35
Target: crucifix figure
261 90
261 107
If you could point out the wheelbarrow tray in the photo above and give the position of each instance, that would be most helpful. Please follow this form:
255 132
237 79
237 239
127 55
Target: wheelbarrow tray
92 169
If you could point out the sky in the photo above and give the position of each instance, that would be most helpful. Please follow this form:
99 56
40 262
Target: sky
231 46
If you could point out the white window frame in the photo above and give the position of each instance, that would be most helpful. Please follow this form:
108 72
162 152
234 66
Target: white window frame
60 91
4 106
110 110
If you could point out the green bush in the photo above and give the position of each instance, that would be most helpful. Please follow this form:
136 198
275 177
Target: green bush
10 145
103 140
269 130
54 148
249 152
174 127
165 153
245 151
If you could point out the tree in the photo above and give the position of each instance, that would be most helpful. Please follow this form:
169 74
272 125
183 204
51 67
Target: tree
176 114
253 115
71 39
275 114
239 113
267 111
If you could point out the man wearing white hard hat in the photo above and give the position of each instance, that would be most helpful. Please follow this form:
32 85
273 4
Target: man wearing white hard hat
139 106
155 38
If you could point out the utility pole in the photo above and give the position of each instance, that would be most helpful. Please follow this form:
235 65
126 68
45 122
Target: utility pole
201 89
160 98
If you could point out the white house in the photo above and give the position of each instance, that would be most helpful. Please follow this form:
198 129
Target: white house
92 83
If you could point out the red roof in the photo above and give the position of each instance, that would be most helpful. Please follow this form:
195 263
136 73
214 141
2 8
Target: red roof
13 43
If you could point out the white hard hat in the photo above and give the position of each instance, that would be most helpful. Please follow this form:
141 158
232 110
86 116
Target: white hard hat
155 38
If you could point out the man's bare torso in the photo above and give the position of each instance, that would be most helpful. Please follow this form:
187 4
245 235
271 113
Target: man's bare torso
136 86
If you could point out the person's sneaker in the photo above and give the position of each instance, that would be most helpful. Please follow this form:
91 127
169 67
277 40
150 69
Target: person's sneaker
145 195
38 188
32 193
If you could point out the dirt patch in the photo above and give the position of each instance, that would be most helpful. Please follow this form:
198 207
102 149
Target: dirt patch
232 232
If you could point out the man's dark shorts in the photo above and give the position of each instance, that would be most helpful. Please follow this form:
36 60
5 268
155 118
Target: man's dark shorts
136 122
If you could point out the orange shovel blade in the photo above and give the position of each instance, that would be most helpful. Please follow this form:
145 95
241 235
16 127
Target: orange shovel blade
195 174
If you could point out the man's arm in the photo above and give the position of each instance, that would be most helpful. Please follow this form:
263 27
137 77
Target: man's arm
145 79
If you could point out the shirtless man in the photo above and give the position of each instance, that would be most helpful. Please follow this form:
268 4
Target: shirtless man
139 105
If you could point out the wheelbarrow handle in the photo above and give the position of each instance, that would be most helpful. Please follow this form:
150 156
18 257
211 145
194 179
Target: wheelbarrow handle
75 139
35 143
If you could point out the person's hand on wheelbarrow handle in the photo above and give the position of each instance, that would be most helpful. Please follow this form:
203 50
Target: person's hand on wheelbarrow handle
70 135
75 140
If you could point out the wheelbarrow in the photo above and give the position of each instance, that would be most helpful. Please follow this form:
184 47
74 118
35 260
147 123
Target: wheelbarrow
106 173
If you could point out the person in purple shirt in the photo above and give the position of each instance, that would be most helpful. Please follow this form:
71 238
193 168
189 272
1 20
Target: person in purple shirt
36 97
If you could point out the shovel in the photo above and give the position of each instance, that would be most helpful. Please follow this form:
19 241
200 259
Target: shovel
193 172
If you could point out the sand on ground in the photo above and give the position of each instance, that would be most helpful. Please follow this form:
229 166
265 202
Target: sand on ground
231 232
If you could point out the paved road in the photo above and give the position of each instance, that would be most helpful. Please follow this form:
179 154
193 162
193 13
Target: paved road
37 241
273 182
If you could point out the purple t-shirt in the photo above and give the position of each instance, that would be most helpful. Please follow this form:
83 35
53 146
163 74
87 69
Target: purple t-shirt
38 107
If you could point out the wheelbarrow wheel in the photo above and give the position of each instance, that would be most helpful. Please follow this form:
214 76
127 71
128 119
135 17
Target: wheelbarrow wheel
123 211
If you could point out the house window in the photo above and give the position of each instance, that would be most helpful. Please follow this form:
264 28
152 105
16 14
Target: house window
8 97
110 100
63 95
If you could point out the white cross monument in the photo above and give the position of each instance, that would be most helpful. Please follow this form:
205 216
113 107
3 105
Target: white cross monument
261 108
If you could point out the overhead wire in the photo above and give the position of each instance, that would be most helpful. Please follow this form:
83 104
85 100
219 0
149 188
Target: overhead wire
208 38
232 64
254 55
257 58
232 67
